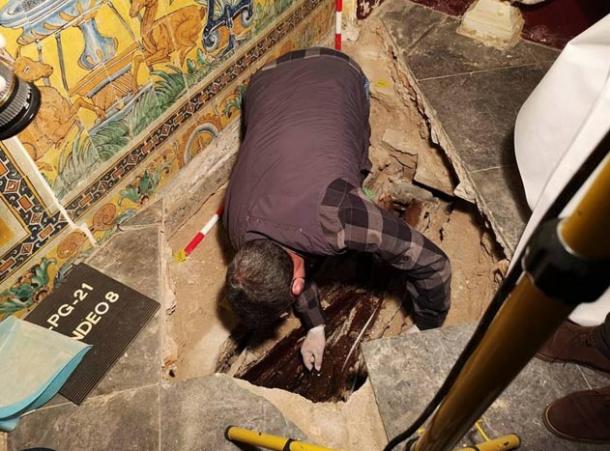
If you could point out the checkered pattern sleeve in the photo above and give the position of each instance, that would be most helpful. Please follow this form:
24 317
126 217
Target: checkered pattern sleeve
308 306
352 222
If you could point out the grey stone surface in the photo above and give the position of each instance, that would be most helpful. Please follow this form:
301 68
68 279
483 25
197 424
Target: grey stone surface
405 372
408 22
128 420
443 52
502 196
472 94
478 111
195 414
543 53
186 415
595 378
132 257
139 365
152 214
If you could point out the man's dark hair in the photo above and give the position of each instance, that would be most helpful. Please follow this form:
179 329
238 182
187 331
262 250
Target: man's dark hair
258 283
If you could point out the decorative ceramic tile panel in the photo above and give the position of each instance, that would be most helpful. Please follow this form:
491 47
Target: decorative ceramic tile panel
160 134
27 224
130 96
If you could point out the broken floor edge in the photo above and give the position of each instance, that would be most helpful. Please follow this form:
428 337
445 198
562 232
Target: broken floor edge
189 192
168 410
465 189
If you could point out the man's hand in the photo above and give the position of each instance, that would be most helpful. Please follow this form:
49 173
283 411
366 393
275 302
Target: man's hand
312 348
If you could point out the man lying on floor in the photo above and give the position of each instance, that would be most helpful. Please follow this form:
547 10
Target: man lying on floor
294 196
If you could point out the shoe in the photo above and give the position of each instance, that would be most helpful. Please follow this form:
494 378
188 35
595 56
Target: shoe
575 344
583 416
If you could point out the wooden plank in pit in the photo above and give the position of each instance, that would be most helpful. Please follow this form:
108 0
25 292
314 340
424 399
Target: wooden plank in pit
98 310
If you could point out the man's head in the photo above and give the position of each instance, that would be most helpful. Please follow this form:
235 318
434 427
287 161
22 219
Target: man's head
259 283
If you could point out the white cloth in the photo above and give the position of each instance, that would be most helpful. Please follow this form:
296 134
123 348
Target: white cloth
557 128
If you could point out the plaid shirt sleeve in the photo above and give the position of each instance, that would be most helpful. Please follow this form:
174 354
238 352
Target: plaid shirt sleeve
351 221
308 306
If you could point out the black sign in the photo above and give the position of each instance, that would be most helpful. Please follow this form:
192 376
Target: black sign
93 308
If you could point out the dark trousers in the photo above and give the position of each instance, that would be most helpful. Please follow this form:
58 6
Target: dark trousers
601 336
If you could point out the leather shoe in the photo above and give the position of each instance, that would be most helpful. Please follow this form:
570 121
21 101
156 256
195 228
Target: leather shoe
582 416
575 344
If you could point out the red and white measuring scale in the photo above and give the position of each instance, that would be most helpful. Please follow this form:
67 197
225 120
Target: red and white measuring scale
339 9
198 238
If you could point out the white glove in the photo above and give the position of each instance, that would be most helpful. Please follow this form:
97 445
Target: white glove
312 349
413 329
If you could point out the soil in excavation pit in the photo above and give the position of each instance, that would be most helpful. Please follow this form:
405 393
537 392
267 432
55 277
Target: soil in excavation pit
353 311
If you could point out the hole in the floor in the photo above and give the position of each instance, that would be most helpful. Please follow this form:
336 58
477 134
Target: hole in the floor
361 300
411 176
355 312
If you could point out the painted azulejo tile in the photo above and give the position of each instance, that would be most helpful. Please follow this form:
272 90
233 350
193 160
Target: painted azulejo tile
129 179
26 289
171 122
80 54
192 127
29 219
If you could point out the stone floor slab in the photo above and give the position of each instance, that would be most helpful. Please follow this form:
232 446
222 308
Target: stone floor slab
453 7
408 22
195 414
443 51
152 214
128 420
471 94
501 194
405 372
139 365
478 112
133 258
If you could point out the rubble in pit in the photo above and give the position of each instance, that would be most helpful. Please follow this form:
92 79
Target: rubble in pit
360 299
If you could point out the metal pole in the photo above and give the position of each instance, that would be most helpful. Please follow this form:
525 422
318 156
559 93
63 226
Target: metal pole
522 326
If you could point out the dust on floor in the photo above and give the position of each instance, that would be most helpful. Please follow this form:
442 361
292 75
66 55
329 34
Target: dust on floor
411 176
351 425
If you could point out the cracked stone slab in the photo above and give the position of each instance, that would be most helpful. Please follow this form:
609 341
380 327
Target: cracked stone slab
432 172
128 420
195 414
443 52
406 371
478 112
408 22
431 47
398 141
